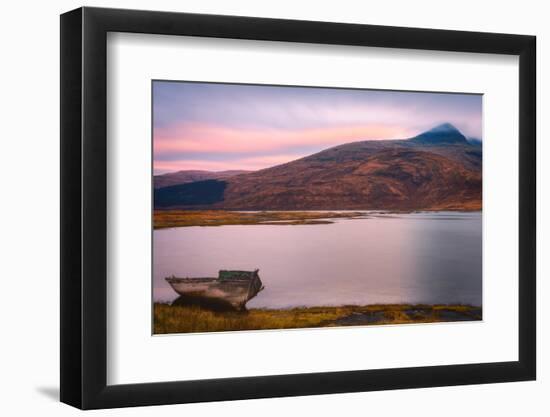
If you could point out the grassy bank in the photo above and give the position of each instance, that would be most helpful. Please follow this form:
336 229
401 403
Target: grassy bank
187 319
183 218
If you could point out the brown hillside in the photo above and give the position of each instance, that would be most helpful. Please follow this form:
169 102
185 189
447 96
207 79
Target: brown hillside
394 178
187 176
438 169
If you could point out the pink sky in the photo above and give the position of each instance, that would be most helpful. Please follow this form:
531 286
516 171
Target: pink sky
207 138
218 127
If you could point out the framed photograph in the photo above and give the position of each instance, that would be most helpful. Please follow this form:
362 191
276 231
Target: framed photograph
257 208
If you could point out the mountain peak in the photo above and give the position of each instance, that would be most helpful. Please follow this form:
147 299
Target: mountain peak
444 127
444 133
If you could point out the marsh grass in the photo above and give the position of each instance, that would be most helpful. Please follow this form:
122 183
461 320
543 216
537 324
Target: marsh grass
185 218
192 319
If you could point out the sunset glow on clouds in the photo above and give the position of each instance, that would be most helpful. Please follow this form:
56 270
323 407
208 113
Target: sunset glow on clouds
205 138
229 126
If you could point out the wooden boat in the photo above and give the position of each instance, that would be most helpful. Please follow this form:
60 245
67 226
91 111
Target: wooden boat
233 288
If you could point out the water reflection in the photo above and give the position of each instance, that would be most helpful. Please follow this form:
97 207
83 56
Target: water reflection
395 258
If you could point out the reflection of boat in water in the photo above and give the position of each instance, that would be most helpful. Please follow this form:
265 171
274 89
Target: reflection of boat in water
232 288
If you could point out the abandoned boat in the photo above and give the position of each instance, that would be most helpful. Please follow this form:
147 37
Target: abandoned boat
234 288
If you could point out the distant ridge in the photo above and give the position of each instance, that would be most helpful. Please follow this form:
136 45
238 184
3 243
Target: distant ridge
475 141
187 176
438 169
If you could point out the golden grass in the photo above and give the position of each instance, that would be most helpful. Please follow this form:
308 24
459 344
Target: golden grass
185 218
474 205
191 319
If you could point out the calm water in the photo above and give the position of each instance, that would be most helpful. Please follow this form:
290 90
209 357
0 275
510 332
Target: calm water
406 258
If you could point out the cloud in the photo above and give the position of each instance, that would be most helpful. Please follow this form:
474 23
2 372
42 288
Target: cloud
250 164
238 126
262 106
218 139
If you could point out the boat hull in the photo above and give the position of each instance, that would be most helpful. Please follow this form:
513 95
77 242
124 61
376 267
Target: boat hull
234 293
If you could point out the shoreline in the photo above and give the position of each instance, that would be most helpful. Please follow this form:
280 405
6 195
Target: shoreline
163 219
186 218
194 319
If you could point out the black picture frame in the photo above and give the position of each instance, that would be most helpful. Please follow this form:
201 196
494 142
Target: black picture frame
84 207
